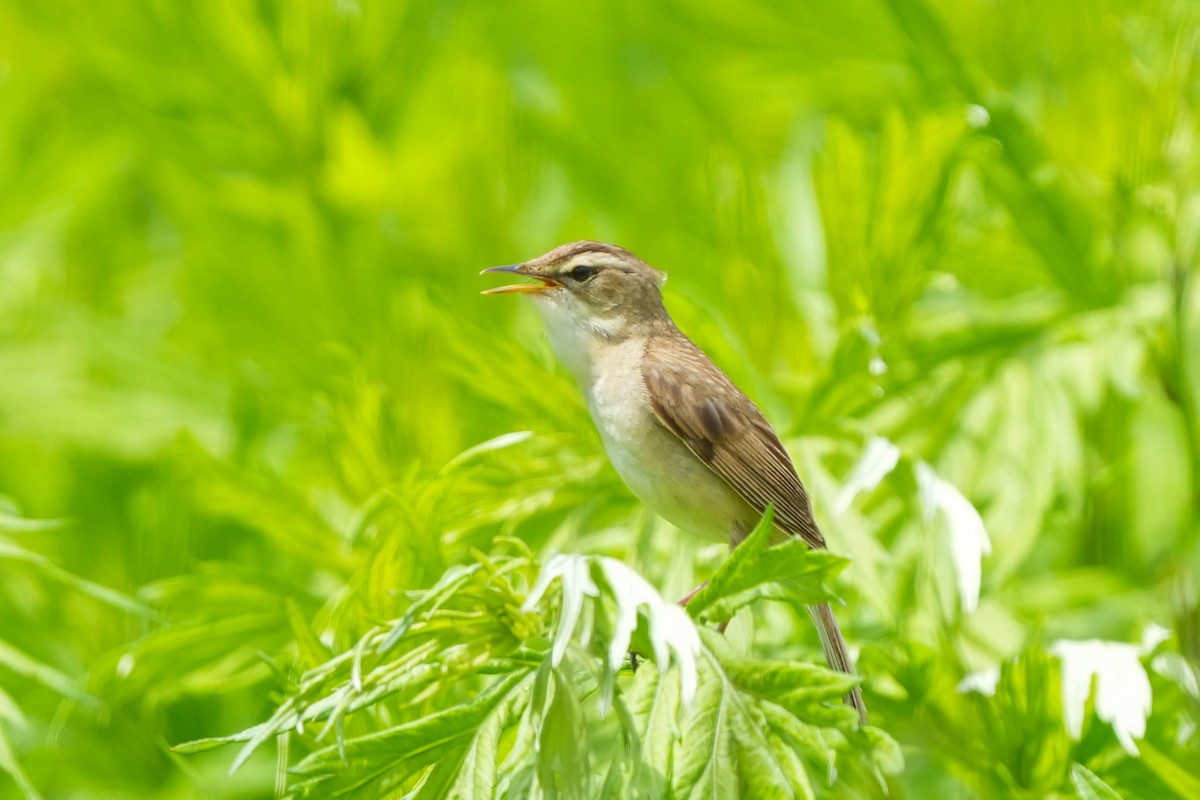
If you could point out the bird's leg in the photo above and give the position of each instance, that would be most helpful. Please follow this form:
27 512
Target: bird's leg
687 598
721 626
736 536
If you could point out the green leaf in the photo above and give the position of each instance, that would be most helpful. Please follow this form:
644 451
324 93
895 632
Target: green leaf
724 745
746 732
478 773
789 571
12 523
707 763
211 742
886 751
1181 780
430 601
10 711
24 664
563 762
51 570
8 763
412 740
490 446
654 705
787 683
788 758
1089 787
312 651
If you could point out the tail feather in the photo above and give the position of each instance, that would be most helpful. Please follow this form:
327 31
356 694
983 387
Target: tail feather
836 653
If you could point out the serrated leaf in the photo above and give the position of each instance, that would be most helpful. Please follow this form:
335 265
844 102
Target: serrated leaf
734 742
788 571
776 680
706 766
726 580
791 765
654 703
563 763
817 744
761 772
755 725
312 651
885 751
797 593
211 742
414 738
429 601
480 766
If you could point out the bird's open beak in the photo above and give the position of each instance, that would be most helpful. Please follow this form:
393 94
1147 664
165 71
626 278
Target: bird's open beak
520 288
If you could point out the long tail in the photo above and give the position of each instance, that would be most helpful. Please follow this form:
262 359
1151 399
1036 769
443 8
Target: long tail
836 653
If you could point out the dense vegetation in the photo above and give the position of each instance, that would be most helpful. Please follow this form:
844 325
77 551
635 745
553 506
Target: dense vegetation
272 470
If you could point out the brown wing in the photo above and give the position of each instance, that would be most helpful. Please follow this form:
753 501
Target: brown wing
696 401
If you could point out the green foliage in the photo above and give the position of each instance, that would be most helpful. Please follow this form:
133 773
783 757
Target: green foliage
465 696
271 463
759 573
1089 787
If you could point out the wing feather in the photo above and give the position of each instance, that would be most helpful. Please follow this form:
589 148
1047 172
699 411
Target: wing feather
696 401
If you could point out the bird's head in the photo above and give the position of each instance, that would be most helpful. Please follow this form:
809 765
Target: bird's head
591 284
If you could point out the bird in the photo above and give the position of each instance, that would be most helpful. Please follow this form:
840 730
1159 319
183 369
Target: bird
682 436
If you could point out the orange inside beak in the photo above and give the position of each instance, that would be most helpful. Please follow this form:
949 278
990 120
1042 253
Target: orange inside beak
520 288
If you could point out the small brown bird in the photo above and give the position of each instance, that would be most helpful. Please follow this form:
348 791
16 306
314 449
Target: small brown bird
684 439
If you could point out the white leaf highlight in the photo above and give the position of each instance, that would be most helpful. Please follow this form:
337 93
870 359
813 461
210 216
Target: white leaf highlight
672 632
982 682
1123 694
969 541
878 459
576 585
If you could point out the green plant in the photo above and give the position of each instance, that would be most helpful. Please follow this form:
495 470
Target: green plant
466 696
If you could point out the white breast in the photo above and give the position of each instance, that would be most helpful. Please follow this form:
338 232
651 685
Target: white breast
654 463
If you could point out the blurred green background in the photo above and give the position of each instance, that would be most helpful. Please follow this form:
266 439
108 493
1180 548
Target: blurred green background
241 341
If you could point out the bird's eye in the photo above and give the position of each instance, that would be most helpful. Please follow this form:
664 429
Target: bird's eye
583 273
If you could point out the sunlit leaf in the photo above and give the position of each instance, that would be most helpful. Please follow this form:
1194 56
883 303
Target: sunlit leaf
1089 787
788 571
8 763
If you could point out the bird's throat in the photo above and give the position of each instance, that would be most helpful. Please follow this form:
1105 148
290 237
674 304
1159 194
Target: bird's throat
579 341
